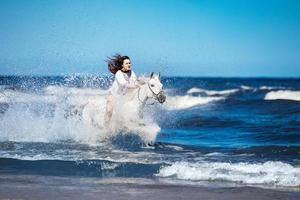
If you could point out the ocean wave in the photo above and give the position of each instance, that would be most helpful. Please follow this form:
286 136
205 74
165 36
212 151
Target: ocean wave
270 88
109 155
86 168
242 88
212 92
284 95
264 87
268 173
185 102
245 87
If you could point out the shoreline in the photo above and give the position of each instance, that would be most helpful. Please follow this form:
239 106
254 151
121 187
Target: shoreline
55 187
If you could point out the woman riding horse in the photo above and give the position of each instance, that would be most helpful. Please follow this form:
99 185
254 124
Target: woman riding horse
125 79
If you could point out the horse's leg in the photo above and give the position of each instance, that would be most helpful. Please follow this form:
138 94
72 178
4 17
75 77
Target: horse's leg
109 110
141 110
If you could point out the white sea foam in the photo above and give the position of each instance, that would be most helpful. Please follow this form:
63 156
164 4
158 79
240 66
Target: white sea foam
212 92
69 114
283 94
245 87
268 173
59 90
50 95
195 90
216 154
184 102
111 155
11 96
3 98
270 88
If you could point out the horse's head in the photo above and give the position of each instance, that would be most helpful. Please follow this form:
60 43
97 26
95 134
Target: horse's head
156 88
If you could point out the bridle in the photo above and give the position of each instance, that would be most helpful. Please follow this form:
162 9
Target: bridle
154 95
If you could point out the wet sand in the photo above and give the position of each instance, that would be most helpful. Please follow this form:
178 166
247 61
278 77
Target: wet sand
51 187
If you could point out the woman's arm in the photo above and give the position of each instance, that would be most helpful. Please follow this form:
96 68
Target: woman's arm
122 81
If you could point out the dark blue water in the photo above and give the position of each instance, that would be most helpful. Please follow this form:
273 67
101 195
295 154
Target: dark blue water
244 130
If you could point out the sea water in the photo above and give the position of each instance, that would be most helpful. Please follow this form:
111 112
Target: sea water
241 131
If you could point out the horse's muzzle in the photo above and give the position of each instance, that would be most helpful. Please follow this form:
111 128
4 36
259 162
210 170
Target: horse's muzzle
161 97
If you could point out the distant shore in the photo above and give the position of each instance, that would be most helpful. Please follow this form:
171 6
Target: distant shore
53 187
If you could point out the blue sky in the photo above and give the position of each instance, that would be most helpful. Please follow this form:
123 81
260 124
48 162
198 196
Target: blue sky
230 38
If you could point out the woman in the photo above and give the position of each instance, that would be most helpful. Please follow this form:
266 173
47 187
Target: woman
125 78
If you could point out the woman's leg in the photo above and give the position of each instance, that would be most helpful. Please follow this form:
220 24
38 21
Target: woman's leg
109 109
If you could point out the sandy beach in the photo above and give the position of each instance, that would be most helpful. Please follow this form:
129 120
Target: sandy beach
52 187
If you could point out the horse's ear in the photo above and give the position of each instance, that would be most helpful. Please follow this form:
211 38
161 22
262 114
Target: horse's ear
151 75
159 75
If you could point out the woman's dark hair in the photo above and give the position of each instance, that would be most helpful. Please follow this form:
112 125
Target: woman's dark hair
115 62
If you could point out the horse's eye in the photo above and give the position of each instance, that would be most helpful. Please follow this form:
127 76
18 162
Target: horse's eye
152 85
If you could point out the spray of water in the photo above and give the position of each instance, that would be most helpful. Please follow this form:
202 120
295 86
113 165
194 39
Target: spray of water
66 112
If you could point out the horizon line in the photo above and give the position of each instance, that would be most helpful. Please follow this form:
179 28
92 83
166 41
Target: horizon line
171 76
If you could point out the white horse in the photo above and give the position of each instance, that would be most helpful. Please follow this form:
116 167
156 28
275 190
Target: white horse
129 113
128 110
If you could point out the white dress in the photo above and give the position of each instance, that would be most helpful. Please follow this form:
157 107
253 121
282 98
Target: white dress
122 82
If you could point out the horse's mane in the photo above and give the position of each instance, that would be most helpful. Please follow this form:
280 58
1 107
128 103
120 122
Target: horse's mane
132 91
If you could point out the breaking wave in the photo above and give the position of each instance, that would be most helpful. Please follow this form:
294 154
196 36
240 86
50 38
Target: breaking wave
268 173
185 102
284 95
63 113
212 92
